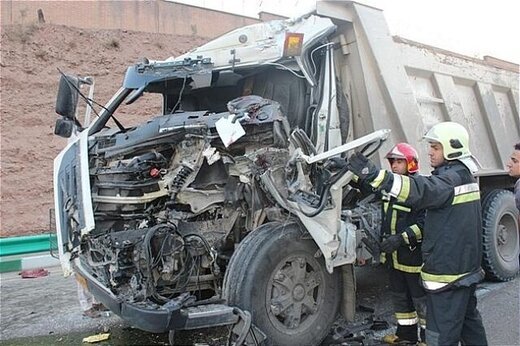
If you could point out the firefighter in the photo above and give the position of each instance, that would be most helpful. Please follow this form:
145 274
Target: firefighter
402 232
451 246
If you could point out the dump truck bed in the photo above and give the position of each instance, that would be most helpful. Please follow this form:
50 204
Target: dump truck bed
408 87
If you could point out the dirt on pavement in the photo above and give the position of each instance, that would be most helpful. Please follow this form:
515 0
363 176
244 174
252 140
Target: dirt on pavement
30 57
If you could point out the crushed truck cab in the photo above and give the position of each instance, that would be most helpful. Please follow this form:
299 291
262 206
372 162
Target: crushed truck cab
228 202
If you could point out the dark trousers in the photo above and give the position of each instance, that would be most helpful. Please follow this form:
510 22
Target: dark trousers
408 296
452 316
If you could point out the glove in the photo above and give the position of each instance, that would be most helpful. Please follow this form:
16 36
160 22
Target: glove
362 167
335 163
392 243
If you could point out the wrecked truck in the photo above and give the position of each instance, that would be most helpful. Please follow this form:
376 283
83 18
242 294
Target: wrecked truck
231 204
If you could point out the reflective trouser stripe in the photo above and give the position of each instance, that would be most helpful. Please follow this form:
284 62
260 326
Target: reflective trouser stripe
407 321
406 318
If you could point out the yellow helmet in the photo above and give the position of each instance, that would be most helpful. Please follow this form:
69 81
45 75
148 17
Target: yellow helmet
453 137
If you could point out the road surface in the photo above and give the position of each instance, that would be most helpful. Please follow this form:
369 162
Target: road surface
46 311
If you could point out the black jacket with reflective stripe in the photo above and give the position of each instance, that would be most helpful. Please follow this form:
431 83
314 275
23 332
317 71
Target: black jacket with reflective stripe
452 244
398 218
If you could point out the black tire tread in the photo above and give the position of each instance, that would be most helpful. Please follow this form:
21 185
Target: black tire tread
235 270
256 243
490 203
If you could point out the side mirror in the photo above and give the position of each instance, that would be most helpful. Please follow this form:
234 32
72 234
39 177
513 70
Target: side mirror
67 99
64 127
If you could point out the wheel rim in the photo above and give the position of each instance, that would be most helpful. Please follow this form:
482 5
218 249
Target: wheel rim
507 237
295 292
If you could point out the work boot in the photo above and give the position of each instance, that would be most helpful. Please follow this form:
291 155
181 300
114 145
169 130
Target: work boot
390 339
407 333
393 339
403 335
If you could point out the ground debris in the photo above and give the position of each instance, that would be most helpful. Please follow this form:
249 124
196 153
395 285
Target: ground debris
34 273
96 338
356 333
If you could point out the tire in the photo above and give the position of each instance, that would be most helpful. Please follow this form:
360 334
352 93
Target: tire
501 236
275 275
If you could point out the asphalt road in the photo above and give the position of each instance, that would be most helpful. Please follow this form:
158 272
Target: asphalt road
45 311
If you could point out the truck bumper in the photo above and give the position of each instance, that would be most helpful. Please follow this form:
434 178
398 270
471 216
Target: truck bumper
162 319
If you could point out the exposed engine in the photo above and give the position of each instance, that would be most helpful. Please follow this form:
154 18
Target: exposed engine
170 200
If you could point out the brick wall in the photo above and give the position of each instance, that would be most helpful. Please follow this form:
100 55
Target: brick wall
145 15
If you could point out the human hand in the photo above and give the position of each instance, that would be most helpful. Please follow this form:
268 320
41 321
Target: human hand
392 243
362 167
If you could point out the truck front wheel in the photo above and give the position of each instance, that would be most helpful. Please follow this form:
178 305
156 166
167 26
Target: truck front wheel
281 279
501 234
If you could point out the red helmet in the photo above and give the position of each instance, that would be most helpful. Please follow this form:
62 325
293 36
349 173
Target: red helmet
406 152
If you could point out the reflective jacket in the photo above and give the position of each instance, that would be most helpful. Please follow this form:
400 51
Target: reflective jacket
399 218
452 245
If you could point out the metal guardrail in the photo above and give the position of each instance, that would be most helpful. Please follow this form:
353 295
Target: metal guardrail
24 244
30 244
